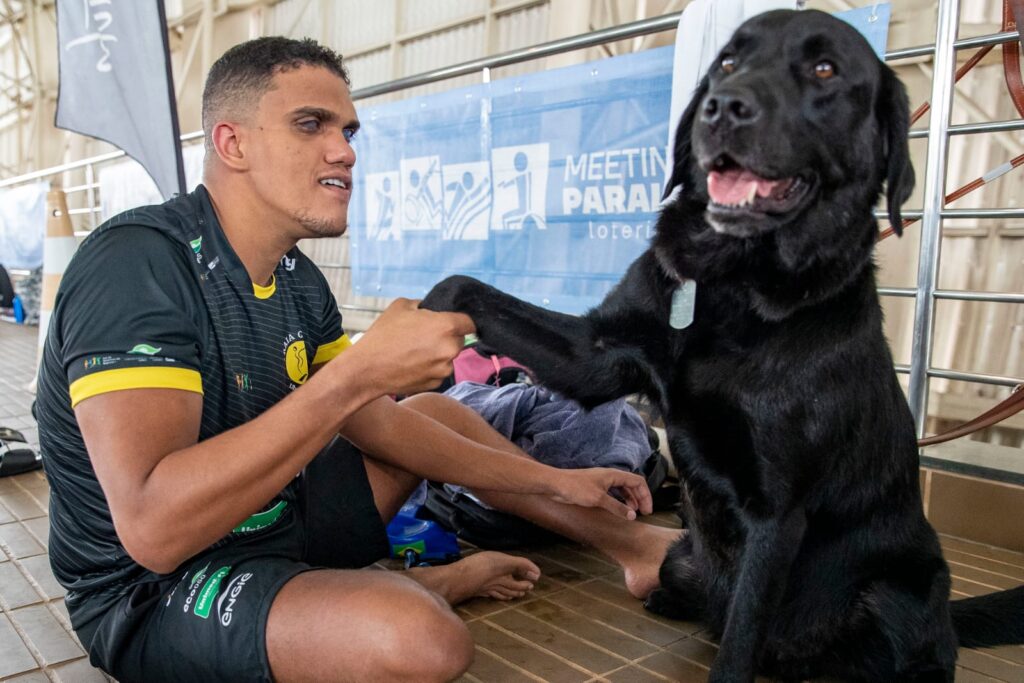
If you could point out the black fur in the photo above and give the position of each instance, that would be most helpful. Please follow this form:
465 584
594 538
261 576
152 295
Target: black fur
808 553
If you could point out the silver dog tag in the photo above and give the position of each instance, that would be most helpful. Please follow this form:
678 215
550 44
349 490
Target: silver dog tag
683 299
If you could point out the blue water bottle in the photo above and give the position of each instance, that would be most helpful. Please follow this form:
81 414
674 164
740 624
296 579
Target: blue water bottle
19 310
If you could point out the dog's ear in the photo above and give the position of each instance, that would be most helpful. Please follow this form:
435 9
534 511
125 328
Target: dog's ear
893 114
682 148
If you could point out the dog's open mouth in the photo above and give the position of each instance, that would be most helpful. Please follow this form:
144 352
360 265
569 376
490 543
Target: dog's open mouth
734 189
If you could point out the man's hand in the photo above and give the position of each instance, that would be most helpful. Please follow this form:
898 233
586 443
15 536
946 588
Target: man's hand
410 349
590 488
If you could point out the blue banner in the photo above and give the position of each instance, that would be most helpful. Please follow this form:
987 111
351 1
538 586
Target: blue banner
546 186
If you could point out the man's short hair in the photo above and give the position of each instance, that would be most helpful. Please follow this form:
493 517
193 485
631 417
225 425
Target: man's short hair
242 75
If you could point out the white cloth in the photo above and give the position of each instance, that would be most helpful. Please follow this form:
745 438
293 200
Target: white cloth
704 29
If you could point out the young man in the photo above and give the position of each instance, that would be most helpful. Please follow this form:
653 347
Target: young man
205 519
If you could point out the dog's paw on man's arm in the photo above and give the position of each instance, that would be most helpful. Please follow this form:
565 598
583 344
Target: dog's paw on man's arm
455 293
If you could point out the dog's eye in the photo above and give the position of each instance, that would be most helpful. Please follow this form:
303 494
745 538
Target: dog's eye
728 64
824 69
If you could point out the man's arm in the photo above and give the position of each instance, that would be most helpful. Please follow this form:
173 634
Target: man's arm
414 442
170 497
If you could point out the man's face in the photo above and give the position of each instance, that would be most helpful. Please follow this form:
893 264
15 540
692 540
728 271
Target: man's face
300 157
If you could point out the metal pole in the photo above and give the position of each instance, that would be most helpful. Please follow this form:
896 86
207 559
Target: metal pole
971 128
637 28
934 198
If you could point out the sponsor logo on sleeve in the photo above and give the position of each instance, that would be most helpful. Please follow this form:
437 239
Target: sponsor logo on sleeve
145 349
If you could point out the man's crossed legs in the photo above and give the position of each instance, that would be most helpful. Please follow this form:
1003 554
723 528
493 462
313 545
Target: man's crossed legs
263 607
372 625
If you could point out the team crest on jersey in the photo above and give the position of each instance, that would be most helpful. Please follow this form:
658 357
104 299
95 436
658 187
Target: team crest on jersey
296 361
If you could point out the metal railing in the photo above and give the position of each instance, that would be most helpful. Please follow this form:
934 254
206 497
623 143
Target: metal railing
938 132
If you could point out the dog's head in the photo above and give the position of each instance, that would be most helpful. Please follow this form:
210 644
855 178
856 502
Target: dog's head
797 119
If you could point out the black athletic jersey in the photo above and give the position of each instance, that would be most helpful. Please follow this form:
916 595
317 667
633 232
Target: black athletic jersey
157 298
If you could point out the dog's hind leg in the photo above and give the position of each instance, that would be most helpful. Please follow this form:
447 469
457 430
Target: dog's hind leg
771 545
907 636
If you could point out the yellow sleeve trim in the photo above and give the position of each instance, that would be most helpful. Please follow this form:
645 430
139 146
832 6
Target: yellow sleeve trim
265 292
134 378
328 351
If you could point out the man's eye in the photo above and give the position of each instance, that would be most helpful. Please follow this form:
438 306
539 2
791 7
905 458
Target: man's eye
349 133
309 125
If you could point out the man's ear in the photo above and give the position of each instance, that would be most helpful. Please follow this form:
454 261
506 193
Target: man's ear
893 115
682 149
227 142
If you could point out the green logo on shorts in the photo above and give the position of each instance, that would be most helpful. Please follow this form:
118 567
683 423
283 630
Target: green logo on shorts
196 244
261 520
206 596
198 576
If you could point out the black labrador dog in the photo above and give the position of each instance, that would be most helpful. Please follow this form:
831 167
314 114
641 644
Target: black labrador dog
753 320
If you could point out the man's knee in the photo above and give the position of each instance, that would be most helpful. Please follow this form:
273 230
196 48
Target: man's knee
426 642
430 403
371 625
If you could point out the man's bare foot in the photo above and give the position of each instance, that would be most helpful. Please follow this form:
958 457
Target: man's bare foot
485 574
642 569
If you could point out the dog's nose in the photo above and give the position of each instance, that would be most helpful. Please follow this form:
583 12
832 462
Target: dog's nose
731 109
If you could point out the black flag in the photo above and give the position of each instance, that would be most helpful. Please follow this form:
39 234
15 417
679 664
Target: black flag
116 84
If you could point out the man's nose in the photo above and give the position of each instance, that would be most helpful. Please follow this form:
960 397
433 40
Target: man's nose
341 151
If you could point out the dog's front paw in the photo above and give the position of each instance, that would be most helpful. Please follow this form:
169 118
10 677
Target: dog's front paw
451 294
663 603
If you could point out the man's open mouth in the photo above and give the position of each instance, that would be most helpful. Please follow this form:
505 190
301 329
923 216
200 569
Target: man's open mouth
735 189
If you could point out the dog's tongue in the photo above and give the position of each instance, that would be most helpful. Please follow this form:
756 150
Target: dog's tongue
734 185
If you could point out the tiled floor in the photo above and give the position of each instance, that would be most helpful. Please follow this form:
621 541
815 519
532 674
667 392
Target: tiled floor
579 624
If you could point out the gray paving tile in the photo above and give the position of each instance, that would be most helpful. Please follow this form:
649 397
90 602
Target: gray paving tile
542 634
42 497
62 612
46 634
18 542
30 677
38 568
541 664
22 505
30 481
15 589
14 656
79 671
40 529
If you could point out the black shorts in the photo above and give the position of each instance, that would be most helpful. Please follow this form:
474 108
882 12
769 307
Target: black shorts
208 621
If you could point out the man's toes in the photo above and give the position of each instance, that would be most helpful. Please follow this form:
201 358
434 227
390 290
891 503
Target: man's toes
527 570
512 584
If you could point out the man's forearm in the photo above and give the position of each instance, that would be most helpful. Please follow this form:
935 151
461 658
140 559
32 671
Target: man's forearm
416 443
217 483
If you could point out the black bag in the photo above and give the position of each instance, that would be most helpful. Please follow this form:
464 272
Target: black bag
16 460
6 289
